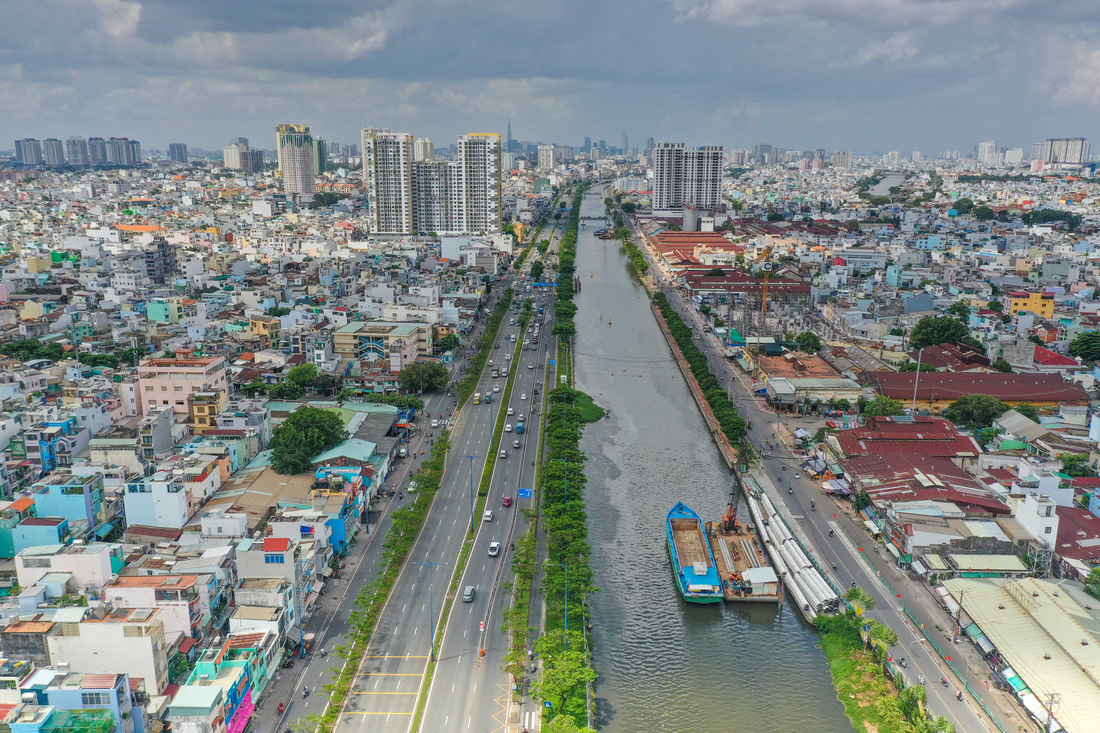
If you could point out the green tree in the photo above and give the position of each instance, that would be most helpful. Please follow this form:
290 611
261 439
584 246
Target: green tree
964 205
1092 582
938 330
566 674
323 383
984 213
276 311
1075 464
450 342
305 434
809 341
1086 345
985 436
1002 366
536 269
995 305
959 309
302 375
975 411
432 376
883 406
346 394
255 387
1031 412
565 724
286 390
1035 340
912 367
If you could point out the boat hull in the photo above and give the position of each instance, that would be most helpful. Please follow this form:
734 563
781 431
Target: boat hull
681 586
694 550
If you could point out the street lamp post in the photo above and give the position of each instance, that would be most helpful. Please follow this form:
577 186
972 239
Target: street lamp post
471 492
431 605
566 567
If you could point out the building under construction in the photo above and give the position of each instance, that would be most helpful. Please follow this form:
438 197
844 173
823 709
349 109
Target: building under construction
737 297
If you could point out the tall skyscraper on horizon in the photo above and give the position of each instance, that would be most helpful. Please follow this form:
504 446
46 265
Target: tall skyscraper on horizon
284 130
423 149
178 152
387 174
53 151
546 157
479 162
297 152
320 156
77 148
97 150
842 159
28 151
684 176
1065 151
987 152
508 140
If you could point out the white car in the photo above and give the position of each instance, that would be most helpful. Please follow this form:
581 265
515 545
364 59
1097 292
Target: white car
494 549
510 411
798 475
508 427
487 516
490 362
521 417
496 388
524 396
530 366
435 423
507 357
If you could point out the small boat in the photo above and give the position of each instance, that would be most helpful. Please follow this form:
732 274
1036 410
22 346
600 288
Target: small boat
692 560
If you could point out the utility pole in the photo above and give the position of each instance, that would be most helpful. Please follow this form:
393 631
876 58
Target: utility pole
1053 698
916 381
431 605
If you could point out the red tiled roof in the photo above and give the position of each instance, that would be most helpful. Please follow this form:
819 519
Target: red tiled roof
949 386
1077 526
928 436
22 504
276 544
952 357
1046 357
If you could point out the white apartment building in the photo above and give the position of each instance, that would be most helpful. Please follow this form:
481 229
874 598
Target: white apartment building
387 172
296 157
684 176
89 565
423 149
546 157
479 160
160 500
129 640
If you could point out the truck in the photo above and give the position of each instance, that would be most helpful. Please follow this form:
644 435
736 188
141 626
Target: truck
488 397
477 398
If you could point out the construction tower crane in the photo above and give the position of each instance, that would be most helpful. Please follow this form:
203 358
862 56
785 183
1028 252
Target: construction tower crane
763 257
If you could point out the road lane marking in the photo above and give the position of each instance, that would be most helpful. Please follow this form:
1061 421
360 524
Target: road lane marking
362 712
385 693
395 656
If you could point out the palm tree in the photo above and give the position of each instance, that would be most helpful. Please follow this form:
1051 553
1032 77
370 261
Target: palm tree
859 600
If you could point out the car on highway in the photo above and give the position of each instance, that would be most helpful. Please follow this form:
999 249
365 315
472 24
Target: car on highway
490 362
530 366
496 387
494 549
511 410
506 501
523 396
507 427
507 357
468 594
515 444
503 453
487 516
435 423
521 417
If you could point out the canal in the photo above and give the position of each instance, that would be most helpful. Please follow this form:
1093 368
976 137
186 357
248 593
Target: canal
665 665
882 188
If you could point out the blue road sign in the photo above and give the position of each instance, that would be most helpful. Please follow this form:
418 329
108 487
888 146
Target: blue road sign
526 493
552 362
547 704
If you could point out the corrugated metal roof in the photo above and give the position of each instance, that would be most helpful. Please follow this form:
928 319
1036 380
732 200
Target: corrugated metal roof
1041 635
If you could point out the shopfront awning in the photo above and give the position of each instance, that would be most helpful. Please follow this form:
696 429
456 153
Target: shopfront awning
893 550
326 572
103 529
918 568
872 527
317 587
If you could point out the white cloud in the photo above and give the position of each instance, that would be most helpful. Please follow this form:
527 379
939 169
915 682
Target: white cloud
887 13
1075 74
902 47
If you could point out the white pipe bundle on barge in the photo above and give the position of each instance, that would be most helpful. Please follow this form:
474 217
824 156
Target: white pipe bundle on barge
810 590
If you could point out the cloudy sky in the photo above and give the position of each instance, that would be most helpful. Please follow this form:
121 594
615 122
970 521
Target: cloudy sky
866 75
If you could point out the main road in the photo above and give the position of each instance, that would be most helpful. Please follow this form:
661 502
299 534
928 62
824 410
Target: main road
384 693
813 523
469 692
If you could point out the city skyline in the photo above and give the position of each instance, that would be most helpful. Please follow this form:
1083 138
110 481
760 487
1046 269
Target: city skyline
838 74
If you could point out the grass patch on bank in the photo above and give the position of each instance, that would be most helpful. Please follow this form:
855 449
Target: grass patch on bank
587 408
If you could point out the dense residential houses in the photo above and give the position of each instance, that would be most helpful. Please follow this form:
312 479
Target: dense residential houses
154 567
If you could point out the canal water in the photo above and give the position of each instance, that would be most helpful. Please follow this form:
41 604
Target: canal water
665 665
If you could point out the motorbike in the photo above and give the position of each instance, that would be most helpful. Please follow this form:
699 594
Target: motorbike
305 692
281 707
902 662
958 695
831 533
943 681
